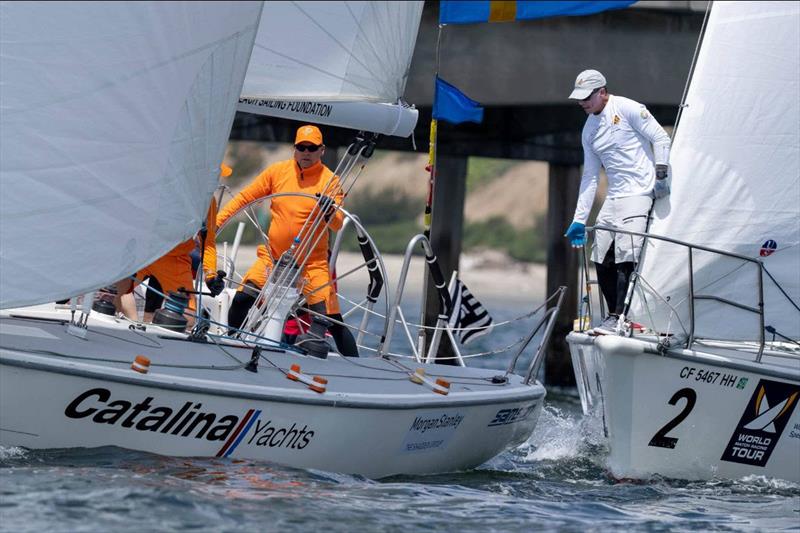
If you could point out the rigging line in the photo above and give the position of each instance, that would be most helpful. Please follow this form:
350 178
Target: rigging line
772 330
156 344
682 105
664 301
251 215
275 344
764 268
356 305
496 351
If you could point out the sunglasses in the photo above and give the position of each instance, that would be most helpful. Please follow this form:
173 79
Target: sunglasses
591 94
306 147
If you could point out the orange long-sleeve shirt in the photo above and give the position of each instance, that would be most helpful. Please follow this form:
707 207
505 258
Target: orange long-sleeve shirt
289 213
210 254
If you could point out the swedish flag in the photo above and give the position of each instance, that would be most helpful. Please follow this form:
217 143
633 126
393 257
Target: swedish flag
469 12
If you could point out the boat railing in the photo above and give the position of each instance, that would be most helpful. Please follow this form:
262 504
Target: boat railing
548 320
693 296
545 324
445 303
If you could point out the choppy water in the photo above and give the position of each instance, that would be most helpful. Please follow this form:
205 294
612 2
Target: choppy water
556 481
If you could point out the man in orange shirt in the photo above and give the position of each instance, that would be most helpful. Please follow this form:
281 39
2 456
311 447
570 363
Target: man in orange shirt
173 271
304 173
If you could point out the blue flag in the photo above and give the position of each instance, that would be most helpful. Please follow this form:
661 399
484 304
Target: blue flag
451 105
476 11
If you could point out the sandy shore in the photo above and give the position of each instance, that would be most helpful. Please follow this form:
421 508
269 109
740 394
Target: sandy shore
489 275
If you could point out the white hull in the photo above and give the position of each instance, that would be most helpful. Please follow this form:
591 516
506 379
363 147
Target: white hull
60 391
691 414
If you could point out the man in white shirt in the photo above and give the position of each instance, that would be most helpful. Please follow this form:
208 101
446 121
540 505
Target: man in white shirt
621 136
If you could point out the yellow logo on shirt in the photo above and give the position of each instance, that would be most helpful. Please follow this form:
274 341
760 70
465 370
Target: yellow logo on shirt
616 119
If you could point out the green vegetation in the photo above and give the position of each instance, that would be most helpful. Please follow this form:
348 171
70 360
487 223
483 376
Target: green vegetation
392 217
521 244
483 170
384 207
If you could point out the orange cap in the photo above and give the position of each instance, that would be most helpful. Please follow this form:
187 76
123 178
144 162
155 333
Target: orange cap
225 170
308 134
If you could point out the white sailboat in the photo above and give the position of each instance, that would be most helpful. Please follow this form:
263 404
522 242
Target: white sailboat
712 386
111 143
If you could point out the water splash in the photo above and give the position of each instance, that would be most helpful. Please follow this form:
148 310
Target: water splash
562 435
12 453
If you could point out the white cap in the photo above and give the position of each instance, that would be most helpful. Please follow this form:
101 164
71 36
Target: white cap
586 82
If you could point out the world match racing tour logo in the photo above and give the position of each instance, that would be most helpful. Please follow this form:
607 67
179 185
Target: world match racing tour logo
188 421
762 423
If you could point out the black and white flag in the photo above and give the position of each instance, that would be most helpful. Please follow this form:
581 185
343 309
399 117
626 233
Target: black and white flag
469 317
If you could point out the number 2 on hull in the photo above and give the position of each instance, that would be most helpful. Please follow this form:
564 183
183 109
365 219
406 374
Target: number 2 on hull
660 439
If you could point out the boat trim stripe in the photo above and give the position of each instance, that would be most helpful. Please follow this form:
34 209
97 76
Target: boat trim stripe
702 358
239 434
520 395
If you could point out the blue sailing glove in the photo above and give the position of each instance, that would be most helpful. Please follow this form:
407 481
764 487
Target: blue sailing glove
576 233
661 189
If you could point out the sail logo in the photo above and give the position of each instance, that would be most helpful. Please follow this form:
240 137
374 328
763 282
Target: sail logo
762 423
768 248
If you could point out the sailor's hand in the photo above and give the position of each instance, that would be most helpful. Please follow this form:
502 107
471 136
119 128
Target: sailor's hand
661 172
576 233
326 206
216 282
661 190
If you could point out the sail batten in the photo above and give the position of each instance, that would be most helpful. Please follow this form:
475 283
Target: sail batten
736 179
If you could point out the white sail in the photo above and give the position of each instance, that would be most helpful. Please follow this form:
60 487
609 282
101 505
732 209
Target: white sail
114 121
736 179
334 53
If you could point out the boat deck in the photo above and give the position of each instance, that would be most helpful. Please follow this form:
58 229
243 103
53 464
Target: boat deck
178 363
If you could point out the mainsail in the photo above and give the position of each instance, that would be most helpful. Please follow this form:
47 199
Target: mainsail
114 121
736 185
336 63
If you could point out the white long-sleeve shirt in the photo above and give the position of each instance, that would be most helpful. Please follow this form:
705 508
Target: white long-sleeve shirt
628 142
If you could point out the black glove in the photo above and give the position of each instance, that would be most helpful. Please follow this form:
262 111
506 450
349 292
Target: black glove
326 206
661 172
216 283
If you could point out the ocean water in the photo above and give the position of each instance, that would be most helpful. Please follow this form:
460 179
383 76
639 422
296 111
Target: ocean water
556 481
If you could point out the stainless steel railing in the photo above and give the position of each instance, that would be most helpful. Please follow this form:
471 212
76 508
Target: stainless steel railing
693 296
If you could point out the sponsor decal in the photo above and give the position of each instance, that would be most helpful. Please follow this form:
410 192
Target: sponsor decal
510 416
190 420
270 435
711 377
431 431
767 248
795 432
317 109
764 419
